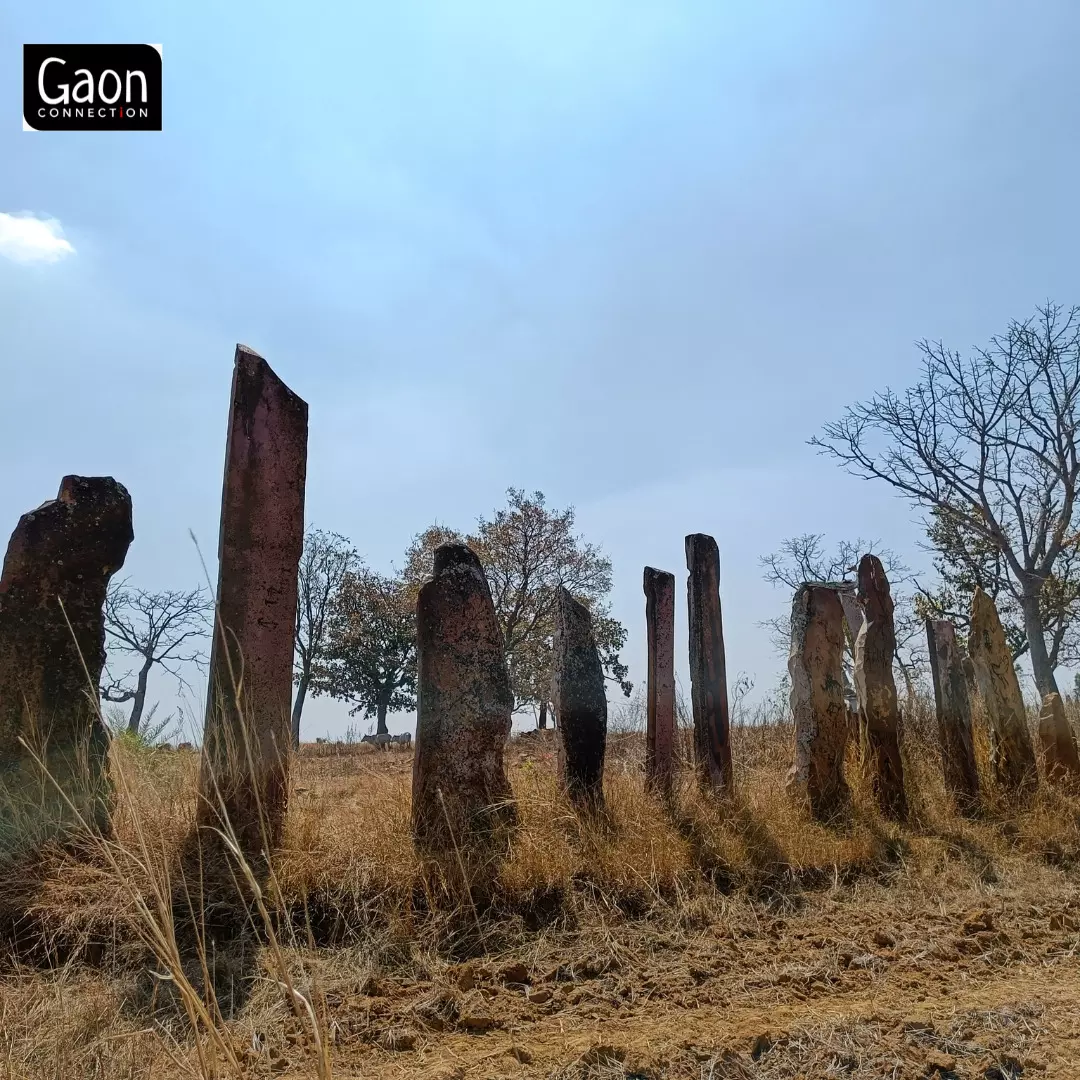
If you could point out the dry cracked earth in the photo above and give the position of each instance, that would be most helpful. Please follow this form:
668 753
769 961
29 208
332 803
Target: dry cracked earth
873 983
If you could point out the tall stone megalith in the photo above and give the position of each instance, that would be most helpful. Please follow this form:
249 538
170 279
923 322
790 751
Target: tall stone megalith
247 736
953 714
52 651
819 711
460 792
660 690
580 704
708 668
875 647
1056 742
1012 756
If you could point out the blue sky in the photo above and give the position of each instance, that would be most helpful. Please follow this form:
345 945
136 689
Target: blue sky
633 255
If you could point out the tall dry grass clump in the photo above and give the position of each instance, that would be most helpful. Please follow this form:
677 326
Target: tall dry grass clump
142 951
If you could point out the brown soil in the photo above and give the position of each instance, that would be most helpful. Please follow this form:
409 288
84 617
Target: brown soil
698 941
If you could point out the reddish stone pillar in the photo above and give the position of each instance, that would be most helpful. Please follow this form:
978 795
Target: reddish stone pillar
247 738
708 672
953 715
461 797
875 648
660 693
580 704
52 651
819 712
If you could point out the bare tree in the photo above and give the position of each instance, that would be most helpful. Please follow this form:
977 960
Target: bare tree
988 443
326 559
964 560
163 628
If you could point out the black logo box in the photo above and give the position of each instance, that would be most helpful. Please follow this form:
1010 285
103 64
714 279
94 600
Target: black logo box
129 75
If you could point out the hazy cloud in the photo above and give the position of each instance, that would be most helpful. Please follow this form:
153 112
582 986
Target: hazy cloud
27 238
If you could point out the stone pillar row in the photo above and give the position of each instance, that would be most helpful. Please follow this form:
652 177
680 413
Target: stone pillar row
52 650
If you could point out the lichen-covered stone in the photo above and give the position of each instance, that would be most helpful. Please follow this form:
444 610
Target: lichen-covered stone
461 796
52 651
708 670
660 691
1056 742
580 704
953 714
875 647
818 708
247 738
1012 756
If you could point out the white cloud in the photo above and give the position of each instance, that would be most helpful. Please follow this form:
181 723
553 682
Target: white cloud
26 238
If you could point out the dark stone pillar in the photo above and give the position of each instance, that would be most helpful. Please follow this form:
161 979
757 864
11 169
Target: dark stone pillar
660 700
875 648
461 796
580 704
248 737
953 715
52 651
708 673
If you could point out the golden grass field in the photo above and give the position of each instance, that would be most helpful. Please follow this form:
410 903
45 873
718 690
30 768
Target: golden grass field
701 939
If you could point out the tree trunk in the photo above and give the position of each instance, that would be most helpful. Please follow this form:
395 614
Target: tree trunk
135 719
542 719
1041 667
380 718
298 708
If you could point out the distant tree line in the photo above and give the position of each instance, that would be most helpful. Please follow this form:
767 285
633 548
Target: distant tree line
356 627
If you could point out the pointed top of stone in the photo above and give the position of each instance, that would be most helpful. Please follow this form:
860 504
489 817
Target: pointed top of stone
248 350
700 544
575 618
652 575
452 556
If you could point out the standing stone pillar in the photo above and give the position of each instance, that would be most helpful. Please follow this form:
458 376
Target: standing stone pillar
580 704
708 672
1012 757
247 737
969 674
875 648
1056 741
953 714
660 694
816 666
52 651
460 791
853 620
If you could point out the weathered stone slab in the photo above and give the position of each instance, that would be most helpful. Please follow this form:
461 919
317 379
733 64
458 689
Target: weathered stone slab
953 714
708 670
460 793
1056 742
247 737
875 648
660 692
52 651
819 711
1012 757
580 704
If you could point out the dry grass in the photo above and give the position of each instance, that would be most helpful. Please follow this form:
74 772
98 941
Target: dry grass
132 959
